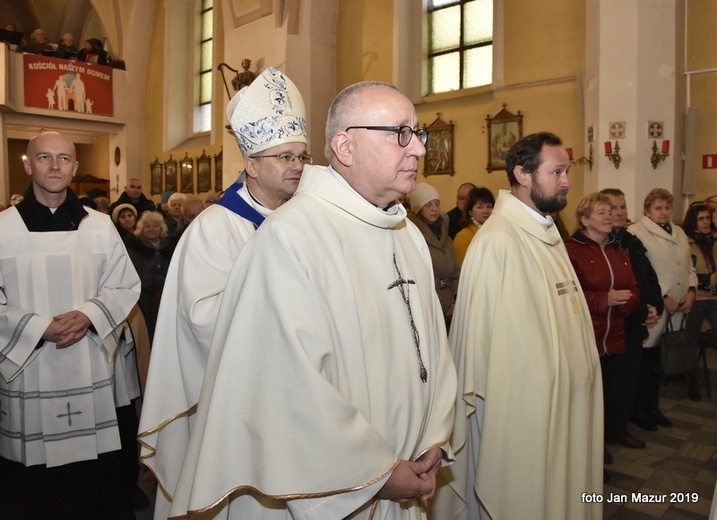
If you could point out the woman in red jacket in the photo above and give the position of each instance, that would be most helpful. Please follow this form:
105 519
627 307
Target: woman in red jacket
611 291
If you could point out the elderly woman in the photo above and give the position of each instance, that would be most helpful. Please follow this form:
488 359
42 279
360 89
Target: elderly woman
150 250
479 206
125 218
611 291
669 252
702 236
433 225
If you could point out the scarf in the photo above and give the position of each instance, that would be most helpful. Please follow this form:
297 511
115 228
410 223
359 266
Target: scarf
705 241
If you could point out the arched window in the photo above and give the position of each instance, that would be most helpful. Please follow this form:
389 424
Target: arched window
203 121
460 44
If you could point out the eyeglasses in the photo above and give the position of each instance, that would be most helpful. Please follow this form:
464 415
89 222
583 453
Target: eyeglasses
404 133
288 157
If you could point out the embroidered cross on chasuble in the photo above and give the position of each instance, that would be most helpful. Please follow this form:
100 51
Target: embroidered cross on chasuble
402 284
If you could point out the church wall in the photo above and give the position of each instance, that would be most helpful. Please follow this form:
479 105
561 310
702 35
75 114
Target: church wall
542 81
160 112
701 65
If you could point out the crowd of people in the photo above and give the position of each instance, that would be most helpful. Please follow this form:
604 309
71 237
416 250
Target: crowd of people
475 362
92 50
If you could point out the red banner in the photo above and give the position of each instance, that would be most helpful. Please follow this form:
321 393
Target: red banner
68 86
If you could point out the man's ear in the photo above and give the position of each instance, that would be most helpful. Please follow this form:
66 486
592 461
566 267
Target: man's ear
28 167
342 146
521 175
250 167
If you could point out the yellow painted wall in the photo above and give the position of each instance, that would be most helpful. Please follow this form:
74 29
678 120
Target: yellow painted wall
364 41
543 40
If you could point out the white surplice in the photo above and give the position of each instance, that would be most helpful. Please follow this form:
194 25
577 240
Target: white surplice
188 312
529 415
57 405
313 388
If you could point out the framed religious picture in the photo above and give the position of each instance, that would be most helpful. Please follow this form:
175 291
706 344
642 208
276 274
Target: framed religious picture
439 148
170 174
218 168
204 175
504 130
186 169
155 176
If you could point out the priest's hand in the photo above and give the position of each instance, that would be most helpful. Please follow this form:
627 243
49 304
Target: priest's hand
67 329
434 454
409 481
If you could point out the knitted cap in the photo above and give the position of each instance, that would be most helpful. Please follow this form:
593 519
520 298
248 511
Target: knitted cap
422 195
267 113
118 210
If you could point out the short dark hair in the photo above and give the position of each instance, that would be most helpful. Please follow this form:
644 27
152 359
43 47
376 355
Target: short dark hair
614 192
526 153
475 196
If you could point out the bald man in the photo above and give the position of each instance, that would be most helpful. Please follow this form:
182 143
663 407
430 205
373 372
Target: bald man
66 285
455 223
133 195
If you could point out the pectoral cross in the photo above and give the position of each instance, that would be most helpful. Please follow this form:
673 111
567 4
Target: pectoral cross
400 283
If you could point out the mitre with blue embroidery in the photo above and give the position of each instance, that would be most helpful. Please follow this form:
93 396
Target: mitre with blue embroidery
267 113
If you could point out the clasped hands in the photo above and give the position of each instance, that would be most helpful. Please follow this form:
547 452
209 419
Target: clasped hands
411 481
67 329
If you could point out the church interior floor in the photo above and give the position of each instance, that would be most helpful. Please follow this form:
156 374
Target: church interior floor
681 459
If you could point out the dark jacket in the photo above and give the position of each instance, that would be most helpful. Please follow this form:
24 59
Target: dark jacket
446 268
647 281
601 268
151 265
142 205
455 222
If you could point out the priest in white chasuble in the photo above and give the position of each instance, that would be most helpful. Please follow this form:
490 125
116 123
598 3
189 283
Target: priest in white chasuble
66 285
330 387
529 417
268 119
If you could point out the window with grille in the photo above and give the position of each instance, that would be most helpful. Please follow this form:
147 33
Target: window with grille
460 53
206 31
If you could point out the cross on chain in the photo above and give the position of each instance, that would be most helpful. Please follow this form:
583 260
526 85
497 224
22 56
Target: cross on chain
400 282
69 415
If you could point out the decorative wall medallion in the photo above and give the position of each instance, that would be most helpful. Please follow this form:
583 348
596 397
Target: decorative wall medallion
655 129
617 130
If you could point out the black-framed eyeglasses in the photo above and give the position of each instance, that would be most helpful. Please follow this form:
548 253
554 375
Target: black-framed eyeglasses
404 133
288 157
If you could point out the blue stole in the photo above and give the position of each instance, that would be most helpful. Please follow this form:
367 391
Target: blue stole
234 203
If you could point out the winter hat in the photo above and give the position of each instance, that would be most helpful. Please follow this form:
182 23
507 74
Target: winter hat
422 195
116 212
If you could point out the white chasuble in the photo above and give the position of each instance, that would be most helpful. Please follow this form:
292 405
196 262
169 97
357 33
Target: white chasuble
57 405
187 316
529 414
314 388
